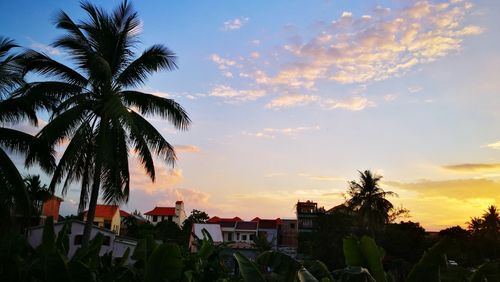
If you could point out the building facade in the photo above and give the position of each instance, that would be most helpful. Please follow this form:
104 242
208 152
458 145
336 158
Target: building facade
106 216
174 214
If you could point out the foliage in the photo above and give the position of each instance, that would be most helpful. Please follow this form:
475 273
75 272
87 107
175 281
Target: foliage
97 108
368 199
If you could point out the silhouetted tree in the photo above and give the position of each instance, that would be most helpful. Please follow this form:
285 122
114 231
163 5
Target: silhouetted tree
98 112
368 199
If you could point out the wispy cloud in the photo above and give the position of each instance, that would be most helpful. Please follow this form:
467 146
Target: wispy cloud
187 148
495 145
353 49
291 101
321 177
44 48
473 167
235 24
355 103
231 94
271 133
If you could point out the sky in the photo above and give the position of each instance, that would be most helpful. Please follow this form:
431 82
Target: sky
290 99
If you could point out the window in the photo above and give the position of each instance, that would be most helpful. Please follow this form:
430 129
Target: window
169 218
237 236
252 237
292 225
96 223
78 240
107 225
243 237
230 236
155 218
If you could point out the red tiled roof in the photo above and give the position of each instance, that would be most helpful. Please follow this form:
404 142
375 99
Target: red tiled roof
246 225
161 211
124 214
256 219
268 224
105 211
216 219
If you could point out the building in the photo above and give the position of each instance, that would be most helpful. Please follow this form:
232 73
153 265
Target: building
287 237
197 234
112 242
269 229
174 214
307 212
51 208
106 216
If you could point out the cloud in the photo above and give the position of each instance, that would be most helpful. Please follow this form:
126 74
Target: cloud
231 94
166 178
458 189
414 89
187 148
355 103
495 145
321 177
364 49
235 24
270 133
473 167
291 101
44 48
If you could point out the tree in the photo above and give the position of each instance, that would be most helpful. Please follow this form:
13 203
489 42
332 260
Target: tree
196 216
14 108
99 113
369 201
38 192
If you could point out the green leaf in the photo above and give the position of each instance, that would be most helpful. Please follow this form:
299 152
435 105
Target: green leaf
279 263
48 237
373 256
165 263
320 270
352 252
248 269
306 276
427 269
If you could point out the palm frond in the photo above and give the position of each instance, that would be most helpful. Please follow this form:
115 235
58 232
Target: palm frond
149 104
153 59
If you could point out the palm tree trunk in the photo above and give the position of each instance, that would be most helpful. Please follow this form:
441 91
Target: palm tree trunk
94 194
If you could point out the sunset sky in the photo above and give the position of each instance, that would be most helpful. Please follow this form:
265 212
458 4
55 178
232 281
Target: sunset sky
289 99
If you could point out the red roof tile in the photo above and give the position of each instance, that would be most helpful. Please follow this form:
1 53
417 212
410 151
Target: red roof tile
105 211
161 211
216 219
246 225
124 213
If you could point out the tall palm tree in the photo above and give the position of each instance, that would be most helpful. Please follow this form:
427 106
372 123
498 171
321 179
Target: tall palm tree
38 192
491 222
369 201
99 112
14 108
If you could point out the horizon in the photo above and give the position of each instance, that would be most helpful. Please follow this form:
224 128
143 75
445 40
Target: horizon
289 101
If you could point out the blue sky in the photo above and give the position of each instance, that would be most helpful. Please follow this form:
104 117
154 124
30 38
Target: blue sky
290 98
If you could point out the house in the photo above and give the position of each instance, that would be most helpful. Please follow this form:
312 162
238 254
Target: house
287 237
106 216
129 218
174 214
51 208
236 230
307 212
197 234
269 229
112 242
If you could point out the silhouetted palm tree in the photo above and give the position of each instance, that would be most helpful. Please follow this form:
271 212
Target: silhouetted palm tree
369 201
475 225
98 112
38 192
15 107
491 222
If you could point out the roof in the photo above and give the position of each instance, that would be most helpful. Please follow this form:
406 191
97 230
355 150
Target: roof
124 213
268 224
179 202
75 221
161 211
105 211
227 224
246 225
216 219
213 229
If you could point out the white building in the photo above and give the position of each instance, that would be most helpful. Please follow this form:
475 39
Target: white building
112 242
174 214
197 234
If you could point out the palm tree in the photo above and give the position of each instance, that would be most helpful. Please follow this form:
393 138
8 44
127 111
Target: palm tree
15 107
491 222
38 192
99 113
475 225
369 201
